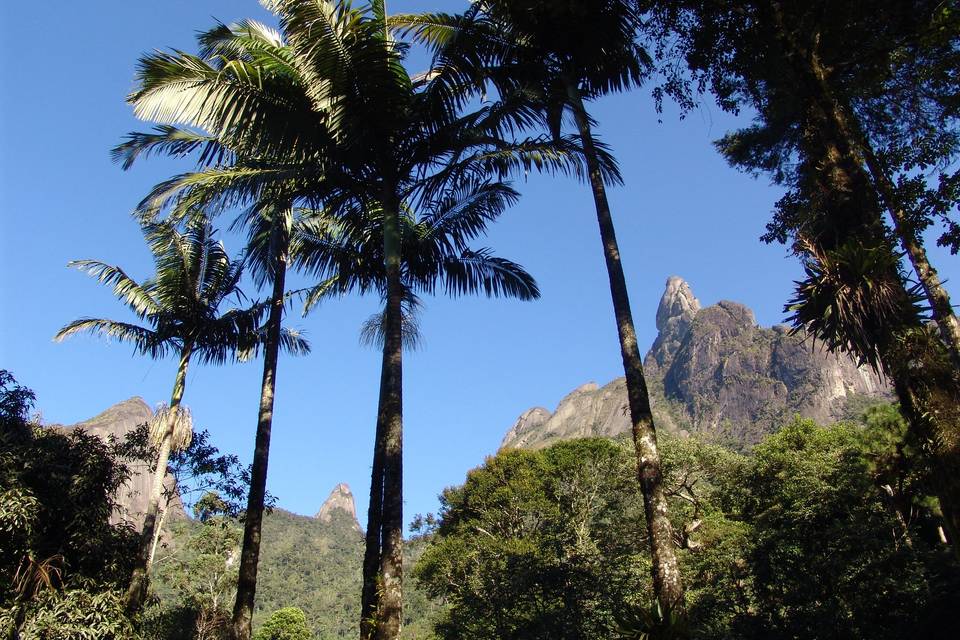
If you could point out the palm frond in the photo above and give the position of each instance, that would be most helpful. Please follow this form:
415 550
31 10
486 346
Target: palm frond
139 297
852 295
372 333
144 340
465 211
172 141
476 271
312 296
176 424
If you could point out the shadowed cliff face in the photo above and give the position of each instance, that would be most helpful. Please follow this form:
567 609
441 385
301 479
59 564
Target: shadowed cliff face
712 371
118 421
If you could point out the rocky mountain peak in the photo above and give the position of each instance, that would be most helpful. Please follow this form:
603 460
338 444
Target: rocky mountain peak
678 307
715 372
117 421
340 499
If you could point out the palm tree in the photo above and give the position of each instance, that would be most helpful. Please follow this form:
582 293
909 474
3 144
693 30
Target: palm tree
180 305
327 115
269 249
434 252
551 57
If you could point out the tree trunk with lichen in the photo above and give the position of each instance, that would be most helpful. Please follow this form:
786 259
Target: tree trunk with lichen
667 584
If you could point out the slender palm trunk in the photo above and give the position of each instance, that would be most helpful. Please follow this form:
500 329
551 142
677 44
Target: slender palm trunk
369 596
667 584
241 624
389 616
137 591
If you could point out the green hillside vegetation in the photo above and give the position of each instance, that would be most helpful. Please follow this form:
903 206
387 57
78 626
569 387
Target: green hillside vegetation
822 532
815 529
306 563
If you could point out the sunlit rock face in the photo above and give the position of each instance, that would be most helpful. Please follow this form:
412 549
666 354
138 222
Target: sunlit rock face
339 504
712 371
118 421
678 307
587 411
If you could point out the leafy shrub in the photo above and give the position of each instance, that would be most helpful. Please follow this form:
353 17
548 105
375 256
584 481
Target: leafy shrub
288 623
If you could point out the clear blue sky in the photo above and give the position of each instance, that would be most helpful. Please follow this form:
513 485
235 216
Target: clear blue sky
67 67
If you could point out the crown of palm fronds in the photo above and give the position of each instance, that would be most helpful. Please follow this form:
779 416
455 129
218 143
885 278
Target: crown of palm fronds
177 422
529 51
193 279
323 118
318 111
372 331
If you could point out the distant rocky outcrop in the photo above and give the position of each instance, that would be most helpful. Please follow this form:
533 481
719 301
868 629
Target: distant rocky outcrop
118 421
712 371
339 503
586 411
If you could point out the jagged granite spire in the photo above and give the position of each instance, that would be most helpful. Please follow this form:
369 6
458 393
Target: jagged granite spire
340 499
678 307
713 371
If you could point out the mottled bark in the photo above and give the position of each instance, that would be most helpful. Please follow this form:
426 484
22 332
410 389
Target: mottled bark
140 579
241 624
389 617
667 583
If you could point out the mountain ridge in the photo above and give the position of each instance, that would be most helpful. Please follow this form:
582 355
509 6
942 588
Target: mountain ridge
712 371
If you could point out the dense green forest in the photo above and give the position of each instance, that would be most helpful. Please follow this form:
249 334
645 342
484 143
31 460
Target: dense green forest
339 165
815 531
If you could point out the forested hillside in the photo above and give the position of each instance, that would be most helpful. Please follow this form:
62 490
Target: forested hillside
819 532
310 563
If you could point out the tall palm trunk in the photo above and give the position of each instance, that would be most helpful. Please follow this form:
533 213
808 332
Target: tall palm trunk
389 617
667 584
369 597
241 625
137 591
